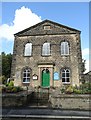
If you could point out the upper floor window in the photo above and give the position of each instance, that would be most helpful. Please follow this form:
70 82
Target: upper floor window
28 49
64 48
66 75
46 49
26 75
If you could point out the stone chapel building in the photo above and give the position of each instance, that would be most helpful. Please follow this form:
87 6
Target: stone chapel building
47 54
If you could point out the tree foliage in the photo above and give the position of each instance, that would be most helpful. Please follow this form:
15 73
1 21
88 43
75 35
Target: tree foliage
6 64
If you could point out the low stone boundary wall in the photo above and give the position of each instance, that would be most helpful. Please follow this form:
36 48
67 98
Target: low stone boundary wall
63 101
67 101
16 99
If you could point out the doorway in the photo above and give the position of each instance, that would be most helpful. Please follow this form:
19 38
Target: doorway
45 78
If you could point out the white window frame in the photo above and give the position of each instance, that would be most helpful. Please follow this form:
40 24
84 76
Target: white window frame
64 48
65 77
46 49
26 72
28 49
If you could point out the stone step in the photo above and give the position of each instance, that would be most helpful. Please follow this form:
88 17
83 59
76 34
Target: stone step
40 97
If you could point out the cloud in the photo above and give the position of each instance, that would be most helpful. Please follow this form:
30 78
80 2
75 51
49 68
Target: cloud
85 51
6 32
85 56
23 19
87 66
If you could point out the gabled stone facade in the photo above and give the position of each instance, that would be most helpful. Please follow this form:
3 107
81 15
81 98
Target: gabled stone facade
61 66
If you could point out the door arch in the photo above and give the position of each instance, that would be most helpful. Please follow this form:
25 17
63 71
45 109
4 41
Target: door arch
45 78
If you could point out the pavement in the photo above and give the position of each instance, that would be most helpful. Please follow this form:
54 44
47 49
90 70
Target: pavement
43 112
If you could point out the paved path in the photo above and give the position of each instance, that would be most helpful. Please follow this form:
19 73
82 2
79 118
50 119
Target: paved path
31 112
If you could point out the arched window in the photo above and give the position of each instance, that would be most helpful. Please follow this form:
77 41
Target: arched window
64 48
46 49
65 75
28 49
26 75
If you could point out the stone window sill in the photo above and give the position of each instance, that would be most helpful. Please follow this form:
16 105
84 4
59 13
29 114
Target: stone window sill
26 82
66 82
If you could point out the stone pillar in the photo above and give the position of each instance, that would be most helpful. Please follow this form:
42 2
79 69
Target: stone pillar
39 76
51 76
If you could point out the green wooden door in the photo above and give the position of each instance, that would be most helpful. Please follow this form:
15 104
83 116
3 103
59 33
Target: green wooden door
45 78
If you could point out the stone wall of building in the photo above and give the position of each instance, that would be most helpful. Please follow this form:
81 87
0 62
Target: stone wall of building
37 37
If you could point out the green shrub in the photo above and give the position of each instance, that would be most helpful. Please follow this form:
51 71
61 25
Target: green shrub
3 79
89 91
19 88
11 83
6 84
14 89
76 91
9 89
69 90
82 89
62 90
86 88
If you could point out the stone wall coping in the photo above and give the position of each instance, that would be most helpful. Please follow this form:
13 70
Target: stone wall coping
71 96
20 94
